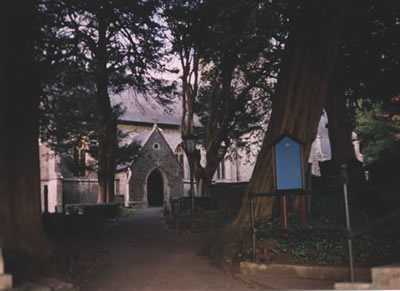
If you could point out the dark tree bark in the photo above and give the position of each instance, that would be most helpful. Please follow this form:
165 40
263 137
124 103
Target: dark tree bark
301 92
228 75
107 129
107 137
340 127
20 206
190 78
189 59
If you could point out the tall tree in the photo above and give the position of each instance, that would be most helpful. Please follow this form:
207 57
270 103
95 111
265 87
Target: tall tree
69 127
301 91
340 123
377 130
20 207
183 22
367 71
226 42
112 44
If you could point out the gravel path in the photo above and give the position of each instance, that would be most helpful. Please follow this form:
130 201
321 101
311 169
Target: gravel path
145 256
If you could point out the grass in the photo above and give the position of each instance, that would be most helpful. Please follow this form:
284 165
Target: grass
123 213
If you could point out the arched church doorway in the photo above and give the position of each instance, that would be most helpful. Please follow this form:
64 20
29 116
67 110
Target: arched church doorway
155 189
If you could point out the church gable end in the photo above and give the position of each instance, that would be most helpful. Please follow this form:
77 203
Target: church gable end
156 154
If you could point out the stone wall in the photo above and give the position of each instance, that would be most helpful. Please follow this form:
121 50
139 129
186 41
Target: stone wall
80 191
51 177
122 178
54 194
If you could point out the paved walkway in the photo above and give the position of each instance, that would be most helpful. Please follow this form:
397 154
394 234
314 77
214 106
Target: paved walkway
145 256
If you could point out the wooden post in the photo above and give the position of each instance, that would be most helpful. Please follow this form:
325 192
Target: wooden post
46 199
253 237
284 215
348 224
302 212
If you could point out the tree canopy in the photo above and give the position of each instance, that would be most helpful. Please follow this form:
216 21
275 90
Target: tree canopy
366 71
89 50
229 55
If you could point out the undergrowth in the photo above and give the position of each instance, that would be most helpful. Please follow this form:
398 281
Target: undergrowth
324 243
203 220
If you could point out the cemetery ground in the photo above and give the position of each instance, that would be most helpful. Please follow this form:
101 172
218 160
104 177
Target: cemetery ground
323 243
76 251
145 249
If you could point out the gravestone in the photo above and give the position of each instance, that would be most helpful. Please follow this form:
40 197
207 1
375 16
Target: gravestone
5 279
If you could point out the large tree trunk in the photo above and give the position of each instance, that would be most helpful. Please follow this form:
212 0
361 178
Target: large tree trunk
340 127
20 206
301 92
213 159
107 127
106 162
218 123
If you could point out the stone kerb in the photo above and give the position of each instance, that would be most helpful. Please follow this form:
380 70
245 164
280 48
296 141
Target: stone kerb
5 279
385 277
328 273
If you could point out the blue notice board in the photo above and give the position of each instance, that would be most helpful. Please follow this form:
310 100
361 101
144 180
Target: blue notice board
288 164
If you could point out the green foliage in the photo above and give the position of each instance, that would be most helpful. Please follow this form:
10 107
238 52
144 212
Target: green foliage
126 211
240 61
86 51
121 37
204 220
325 243
376 131
239 46
68 119
369 44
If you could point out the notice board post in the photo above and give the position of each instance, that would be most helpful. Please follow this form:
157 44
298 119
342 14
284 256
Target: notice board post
289 175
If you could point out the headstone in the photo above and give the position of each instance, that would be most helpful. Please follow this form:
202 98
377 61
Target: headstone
5 279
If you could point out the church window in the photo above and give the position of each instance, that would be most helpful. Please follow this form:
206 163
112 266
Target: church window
80 159
221 170
181 159
180 156
156 146
117 186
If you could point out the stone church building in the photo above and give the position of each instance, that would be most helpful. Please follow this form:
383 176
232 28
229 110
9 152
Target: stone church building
157 175
161 171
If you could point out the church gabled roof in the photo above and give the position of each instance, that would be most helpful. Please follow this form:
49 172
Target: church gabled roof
159 130
139 110
143 138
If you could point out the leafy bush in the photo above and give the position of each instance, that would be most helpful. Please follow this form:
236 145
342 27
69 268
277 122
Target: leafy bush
204 220
326 243
376 131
